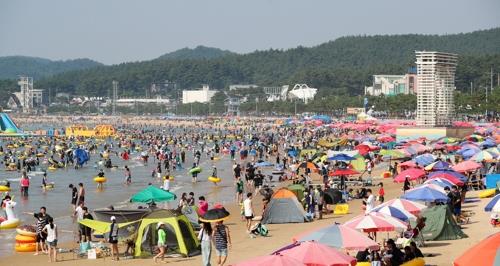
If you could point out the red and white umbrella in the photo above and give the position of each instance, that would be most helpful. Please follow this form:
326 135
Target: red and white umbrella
313 253
407 205
373 222
412 174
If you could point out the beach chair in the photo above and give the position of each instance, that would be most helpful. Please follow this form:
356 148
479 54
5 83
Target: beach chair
341 209
368 182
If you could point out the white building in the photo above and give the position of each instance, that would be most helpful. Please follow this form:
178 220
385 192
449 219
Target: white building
27 98
242 87
392 85
302 92
202 95
436 83
132 101
276 93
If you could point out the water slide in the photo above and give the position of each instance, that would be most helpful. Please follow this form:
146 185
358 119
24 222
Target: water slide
7 125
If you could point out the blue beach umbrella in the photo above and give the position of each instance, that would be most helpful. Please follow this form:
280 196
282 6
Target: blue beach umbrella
450 172
395 212
341 157
493 205
425 159
426 194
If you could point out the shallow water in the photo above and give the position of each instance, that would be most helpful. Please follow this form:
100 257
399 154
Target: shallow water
57 200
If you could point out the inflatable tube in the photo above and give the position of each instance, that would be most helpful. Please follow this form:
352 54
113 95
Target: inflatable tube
195 170
214 179
22 239
171 178
24 232
12 165
52 168
10 224
98 179
414 262
363 264
278 172
49 185
4 188
30 247
40 155
487 193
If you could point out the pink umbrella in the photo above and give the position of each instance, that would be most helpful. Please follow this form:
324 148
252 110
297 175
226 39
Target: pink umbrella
407 205
338 236
448 177
466 166
412 173
272 260
313 253
408 164
373 223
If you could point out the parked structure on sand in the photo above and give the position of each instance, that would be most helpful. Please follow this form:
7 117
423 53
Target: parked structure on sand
202 95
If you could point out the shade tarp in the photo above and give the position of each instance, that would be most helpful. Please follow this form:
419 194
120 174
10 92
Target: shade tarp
101 227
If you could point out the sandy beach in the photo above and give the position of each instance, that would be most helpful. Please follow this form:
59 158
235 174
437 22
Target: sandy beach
437 252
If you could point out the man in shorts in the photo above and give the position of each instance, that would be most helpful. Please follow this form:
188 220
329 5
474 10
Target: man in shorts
41 221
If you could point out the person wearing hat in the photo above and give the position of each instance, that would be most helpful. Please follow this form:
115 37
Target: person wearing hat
113 238
162 241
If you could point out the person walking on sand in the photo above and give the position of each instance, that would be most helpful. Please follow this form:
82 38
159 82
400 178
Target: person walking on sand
51 230
162 242
205 237
248 211
222 241
113 238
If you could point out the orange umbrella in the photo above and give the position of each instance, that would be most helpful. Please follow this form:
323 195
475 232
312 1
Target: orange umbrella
485 253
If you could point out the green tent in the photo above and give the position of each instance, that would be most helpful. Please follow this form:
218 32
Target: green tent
440 224
298 190
152 194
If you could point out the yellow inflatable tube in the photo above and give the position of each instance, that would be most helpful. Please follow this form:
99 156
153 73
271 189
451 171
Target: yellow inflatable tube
10 224
98 179
415 262
25 233
29 247
4 188
214 179
487 193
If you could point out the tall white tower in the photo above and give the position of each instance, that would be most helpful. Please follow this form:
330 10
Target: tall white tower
26 99
435 86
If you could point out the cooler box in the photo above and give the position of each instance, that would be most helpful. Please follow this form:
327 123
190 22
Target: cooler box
491 180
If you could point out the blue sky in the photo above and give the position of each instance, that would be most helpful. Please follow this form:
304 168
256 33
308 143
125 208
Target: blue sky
115 31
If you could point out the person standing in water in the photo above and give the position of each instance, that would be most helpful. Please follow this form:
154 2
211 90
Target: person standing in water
128 176
81 194
44 181
194 174
25 184
74 196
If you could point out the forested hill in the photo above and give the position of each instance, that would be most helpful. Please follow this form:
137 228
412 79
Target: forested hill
199 52
346 63
12 66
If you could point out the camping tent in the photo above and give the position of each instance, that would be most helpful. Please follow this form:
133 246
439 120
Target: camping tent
440 224
298 190
284 208
181 238
333 196
180 234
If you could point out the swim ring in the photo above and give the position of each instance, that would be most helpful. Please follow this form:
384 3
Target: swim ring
99 179
26 230
22 239
214 179
414 262
52 168
195 170
10 224
28 247
4 188
171 178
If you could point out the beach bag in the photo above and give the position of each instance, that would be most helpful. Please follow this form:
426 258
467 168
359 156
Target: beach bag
263 231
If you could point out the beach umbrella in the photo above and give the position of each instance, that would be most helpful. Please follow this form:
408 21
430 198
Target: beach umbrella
374 223
341 157
410 164
338 236
271 260
363 149
484 253
393 154
340 172
466 166
493 205
215 215
440 182
395 212
446 178
359 164
386 138
153 194
438 166
425 159
425 193
484 155
313 253
447 174
412 173
407 205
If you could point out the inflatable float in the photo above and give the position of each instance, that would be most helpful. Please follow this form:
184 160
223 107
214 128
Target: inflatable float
487 193
28 247
414 262
195 170
4 189
171 178
52 168
39 155
26 230
23 239
214 179
11 222
49 185
99 179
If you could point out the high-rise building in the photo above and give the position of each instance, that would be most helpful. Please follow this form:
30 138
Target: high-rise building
435 86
